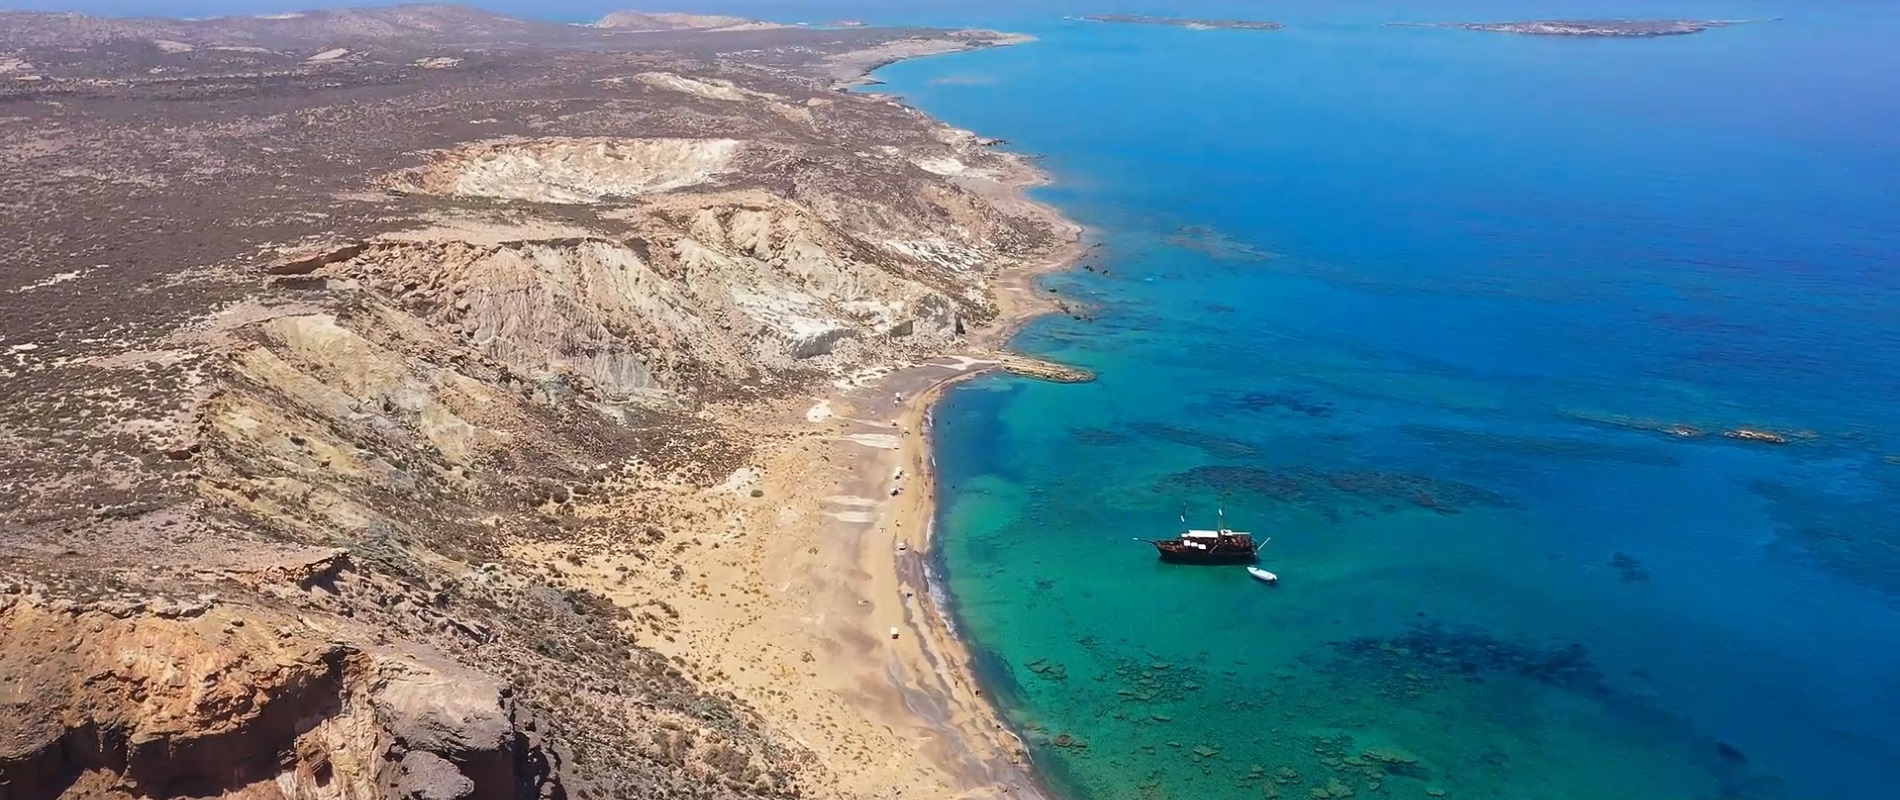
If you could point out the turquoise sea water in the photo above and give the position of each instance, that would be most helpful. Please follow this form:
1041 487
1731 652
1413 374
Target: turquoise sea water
1415 304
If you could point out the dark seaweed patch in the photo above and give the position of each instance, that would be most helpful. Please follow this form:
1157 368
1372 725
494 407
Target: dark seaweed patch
1430 657
1627 566
1296 402
1227 403
1216 245
1386 490
1541 446
1216 446
1856 539
1407 662
1100 437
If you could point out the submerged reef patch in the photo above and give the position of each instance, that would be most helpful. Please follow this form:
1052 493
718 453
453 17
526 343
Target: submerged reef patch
1433 663
1694 430
1100 437
1629 568
1406 663
1854 537
1215 244
1215 446
1384 491
1297 402
1554 447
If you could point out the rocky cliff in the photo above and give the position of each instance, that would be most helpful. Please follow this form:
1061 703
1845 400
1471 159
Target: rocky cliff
308 323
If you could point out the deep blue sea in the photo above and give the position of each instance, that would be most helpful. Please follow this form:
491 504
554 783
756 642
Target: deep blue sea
1422 305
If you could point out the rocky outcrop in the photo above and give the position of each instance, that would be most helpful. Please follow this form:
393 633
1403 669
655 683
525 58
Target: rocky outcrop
573 170
1756 435
698 285
247 704
1044 370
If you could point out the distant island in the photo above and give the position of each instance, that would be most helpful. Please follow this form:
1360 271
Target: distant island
1592 27
1183 22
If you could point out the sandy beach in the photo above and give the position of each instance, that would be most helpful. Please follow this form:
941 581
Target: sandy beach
799 584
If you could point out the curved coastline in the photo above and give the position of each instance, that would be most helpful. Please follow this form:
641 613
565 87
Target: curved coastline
807 594
929 666
830 628
947 659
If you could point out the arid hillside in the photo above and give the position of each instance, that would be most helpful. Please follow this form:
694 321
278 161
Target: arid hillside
310 324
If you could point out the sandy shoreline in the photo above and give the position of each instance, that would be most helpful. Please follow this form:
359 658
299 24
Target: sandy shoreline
788 598
787 580
933 689
971 749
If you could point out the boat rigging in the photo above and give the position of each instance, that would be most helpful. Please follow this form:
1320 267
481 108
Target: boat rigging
1221 545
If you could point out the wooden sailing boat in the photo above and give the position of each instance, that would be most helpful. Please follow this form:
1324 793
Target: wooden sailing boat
1218 546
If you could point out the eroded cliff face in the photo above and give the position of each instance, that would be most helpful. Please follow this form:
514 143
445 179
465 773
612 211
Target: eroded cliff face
193 701
298 351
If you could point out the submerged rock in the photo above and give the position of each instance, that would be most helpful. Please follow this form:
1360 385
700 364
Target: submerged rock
1632 570
1389 755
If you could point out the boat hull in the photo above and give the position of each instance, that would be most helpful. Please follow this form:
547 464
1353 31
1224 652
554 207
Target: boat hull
1227 558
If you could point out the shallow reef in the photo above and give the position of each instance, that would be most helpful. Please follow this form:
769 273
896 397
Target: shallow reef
1295 401
1431 660
1100 437
1494 443
1434 652
1336 491
1854 537
1215 244
1215 446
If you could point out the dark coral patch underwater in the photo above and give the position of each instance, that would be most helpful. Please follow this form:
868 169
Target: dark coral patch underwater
1334 491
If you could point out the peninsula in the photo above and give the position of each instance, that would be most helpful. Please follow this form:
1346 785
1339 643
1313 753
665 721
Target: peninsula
1589 28
1184 22
423 402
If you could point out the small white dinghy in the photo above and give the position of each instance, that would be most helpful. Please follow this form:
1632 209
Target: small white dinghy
1263 576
